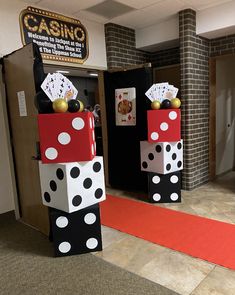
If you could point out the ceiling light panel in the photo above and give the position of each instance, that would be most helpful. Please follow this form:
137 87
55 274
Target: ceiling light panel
68 6
110 9
138 4
203 4
150 15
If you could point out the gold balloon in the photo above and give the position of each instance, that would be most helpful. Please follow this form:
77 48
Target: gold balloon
175 103
60 105
81 109
155 105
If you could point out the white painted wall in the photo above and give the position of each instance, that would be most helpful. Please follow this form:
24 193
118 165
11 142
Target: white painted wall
211 23
158 34
217 21
10 38
225 114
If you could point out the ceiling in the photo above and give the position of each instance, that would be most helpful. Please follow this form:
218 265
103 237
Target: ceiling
136 14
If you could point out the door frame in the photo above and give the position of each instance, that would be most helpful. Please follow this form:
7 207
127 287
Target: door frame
103 125
8 143
212 114
212 118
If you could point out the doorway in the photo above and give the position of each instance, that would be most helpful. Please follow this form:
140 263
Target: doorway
170 74
222 115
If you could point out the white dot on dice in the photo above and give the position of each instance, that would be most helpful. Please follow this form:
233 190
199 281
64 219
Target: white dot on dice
90 218
78 123
51 153
91 243
174 196
174 179
64 138
62 221
164 126
64 247
157 197
154 136
172 115
156 179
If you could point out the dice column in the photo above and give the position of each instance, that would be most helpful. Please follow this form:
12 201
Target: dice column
72 181
162 155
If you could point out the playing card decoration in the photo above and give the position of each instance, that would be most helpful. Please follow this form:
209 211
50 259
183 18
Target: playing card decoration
163 95
58 86
125 106
161 91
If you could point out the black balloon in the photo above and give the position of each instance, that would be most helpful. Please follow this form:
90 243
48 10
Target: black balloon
73 105
166 104
43 103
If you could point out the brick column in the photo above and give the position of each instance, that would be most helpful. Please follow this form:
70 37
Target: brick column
120 47
194 59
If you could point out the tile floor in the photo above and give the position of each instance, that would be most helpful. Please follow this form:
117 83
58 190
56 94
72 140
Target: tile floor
174 270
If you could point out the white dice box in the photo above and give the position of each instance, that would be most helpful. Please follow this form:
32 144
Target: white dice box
161 157
72 186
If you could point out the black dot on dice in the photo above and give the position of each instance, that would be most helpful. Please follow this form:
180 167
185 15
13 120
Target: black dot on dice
98 193
168 148
174 156
168 167
179 145
96 167
75 171
151 156
76 200
158 148
60 174
87 183
179 164
47 197
145 165
53 185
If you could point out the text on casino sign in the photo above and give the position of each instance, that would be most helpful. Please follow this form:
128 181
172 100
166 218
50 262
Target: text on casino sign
58 37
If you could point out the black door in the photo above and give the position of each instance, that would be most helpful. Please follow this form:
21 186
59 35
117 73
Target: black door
124 141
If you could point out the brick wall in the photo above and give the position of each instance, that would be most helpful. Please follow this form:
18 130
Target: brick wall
194 57
165 57
121 48
222 46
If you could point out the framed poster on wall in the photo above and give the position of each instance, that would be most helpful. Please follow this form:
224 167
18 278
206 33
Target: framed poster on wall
125 106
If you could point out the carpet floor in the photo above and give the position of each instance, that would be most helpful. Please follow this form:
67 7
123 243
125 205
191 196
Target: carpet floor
27 266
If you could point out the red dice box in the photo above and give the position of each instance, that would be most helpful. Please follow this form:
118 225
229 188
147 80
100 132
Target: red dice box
66 137
163 125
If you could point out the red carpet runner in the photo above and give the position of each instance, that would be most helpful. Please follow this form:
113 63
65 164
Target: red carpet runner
200 237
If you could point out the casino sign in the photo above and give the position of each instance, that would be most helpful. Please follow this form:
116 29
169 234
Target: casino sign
59 37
